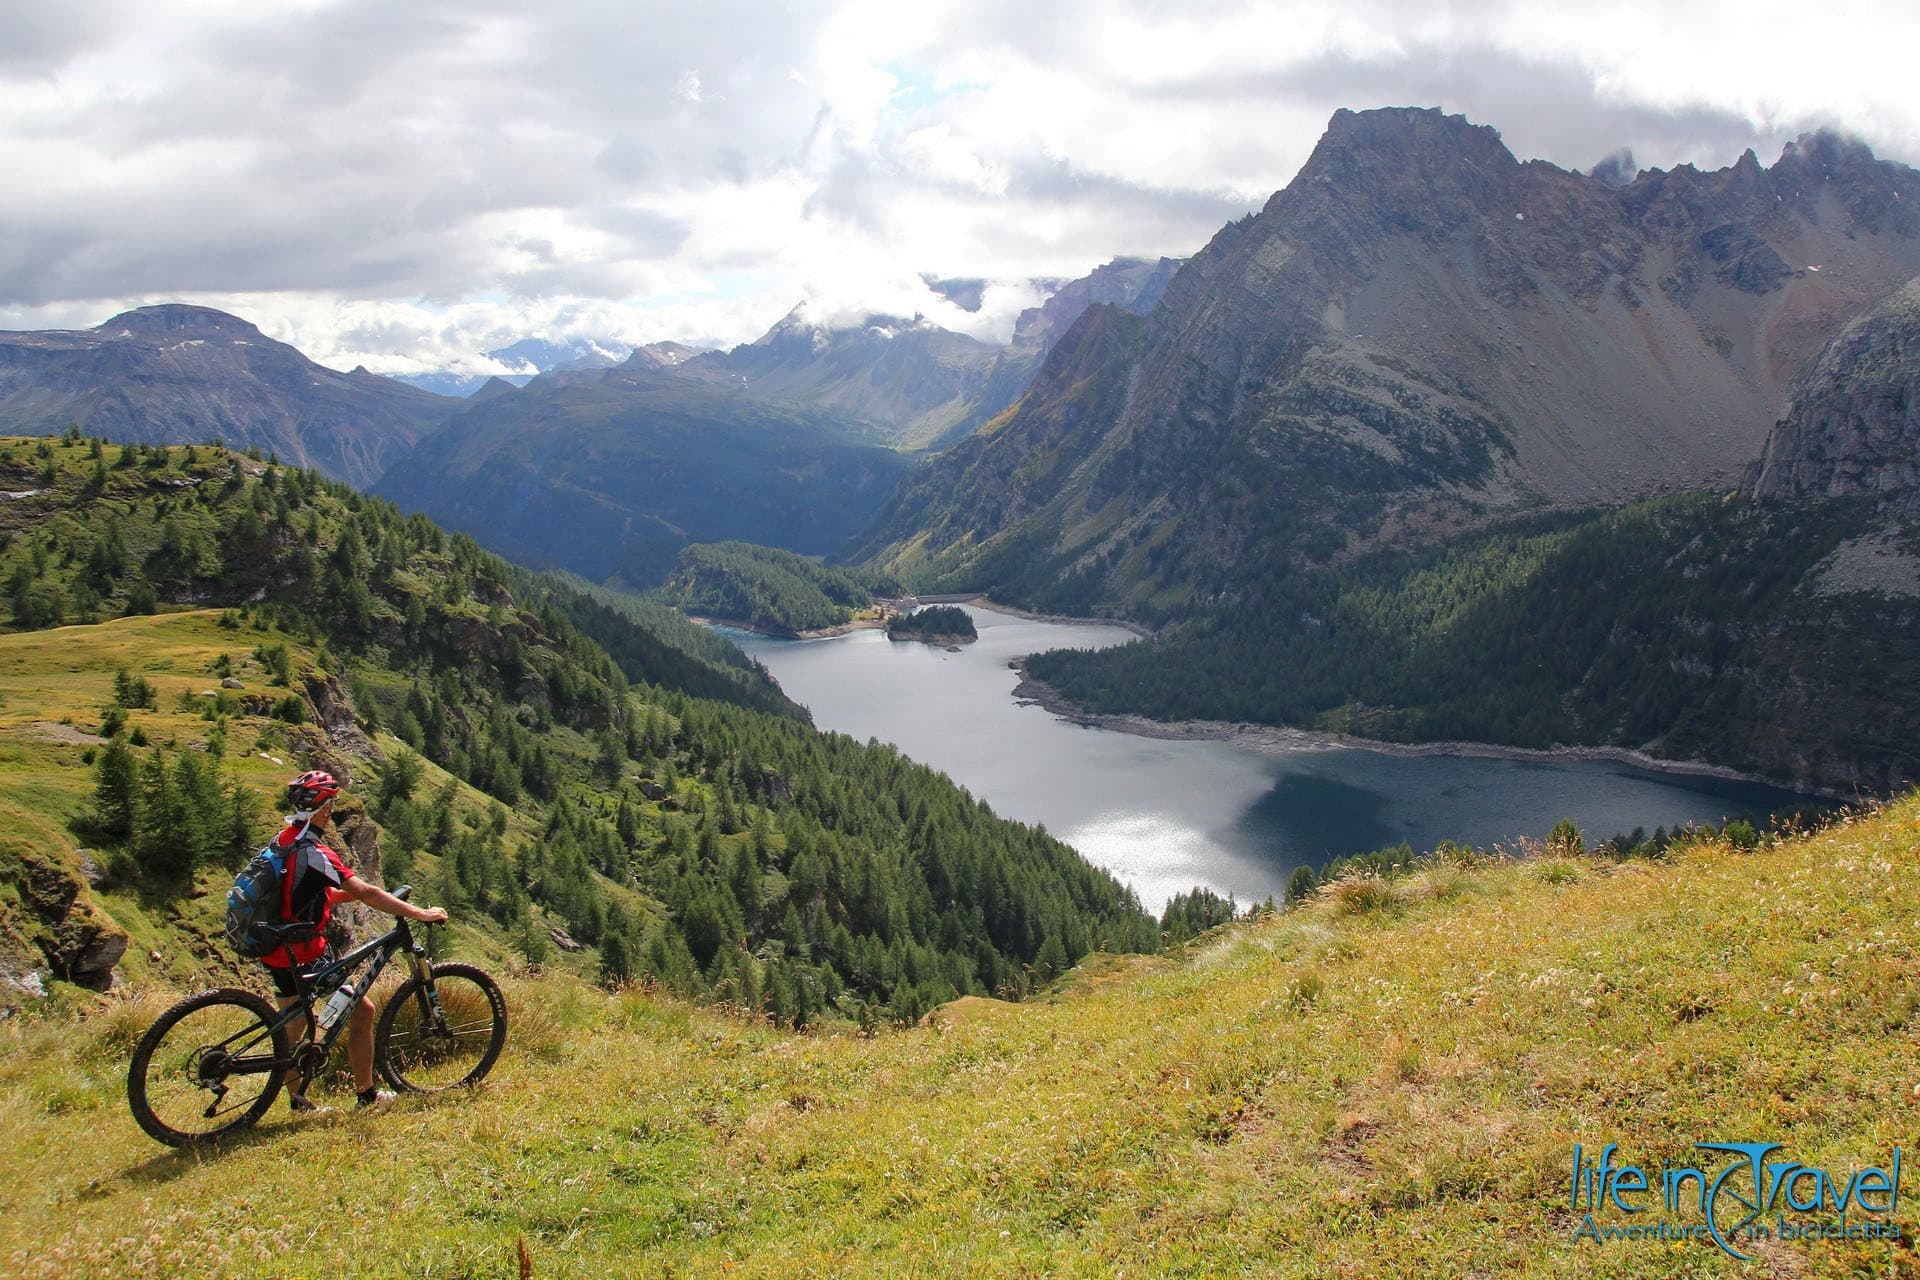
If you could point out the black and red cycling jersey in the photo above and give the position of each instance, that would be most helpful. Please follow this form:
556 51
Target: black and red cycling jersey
309 887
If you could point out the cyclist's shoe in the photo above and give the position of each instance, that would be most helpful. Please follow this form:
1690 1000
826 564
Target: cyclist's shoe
376 1096
301 1104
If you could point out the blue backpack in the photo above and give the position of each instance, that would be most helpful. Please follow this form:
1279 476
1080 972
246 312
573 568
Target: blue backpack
255 903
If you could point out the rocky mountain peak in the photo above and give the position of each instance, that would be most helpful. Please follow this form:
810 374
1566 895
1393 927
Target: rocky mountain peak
1618 168
1392 171
1421 331
660 355
792 329
1878 195
490 388
797 327
177 319
1408 130
1392 148
1829 153
177 374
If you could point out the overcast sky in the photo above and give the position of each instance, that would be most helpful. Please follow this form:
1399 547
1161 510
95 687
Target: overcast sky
406 185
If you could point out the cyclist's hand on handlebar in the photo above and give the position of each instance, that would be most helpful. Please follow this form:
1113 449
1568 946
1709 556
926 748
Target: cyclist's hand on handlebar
432 915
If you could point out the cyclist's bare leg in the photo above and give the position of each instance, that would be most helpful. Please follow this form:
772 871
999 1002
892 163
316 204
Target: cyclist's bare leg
296 1085
360 1045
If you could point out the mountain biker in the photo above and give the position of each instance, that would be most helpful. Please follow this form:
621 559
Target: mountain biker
314 880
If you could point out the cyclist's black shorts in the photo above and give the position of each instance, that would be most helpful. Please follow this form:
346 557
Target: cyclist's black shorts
283 977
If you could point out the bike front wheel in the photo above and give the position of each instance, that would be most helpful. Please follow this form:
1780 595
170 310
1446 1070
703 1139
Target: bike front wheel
206 1067
441 1033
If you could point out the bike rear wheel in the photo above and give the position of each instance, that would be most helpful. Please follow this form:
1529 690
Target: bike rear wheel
442 1034
201 1069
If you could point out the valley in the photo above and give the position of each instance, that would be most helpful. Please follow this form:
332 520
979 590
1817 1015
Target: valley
1245 757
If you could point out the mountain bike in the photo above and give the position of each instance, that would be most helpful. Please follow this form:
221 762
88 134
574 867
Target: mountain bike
214 1063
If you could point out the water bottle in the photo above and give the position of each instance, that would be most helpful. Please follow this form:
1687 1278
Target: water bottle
337 1004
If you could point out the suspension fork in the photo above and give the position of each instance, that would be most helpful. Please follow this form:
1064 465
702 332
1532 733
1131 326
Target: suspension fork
428 996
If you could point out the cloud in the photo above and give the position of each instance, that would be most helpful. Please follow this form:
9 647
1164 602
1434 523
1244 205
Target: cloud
399 185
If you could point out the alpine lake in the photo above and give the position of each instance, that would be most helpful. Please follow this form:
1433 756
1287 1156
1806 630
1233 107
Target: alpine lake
1167 814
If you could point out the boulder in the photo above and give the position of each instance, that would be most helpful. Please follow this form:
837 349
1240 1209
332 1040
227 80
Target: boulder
84 948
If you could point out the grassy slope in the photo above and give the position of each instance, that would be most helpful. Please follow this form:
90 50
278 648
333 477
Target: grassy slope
54 685
1329 1092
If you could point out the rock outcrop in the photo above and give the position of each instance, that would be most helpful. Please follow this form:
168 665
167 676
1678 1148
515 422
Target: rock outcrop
1854 430
55 924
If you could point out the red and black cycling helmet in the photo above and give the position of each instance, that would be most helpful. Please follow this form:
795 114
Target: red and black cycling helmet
311 790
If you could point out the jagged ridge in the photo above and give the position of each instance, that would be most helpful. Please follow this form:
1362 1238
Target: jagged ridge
1421 332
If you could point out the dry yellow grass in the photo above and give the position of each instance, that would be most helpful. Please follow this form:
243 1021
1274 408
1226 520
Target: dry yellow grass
1392 1092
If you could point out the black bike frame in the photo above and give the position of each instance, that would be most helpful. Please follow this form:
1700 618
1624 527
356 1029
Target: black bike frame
387 945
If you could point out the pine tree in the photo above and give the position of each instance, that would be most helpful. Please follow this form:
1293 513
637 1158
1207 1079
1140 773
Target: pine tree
243 807
206 821
115 791
612 758
157 843
1051 962
743 877
616 961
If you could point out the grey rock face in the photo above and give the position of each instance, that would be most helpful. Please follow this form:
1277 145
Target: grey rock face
1855 426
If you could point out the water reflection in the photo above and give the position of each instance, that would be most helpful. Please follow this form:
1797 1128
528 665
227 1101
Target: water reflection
1318 817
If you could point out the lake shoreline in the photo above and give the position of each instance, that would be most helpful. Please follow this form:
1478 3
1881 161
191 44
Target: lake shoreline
814 633
1057 619
1273 740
